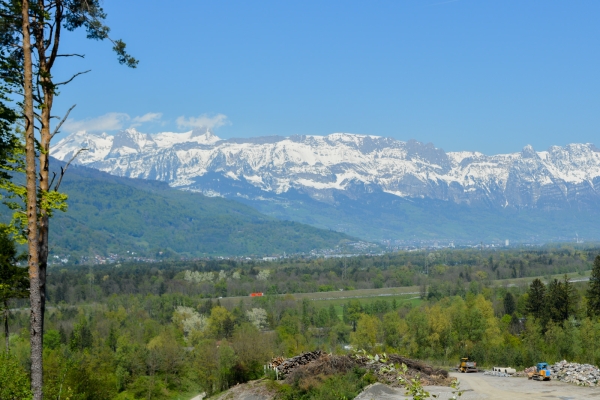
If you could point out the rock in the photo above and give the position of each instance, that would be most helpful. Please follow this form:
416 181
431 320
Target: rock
579 374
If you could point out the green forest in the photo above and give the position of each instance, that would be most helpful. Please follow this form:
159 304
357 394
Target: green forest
109 214
175 329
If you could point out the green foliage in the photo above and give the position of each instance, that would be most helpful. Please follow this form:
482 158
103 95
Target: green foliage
510 305
593 292
332 387
14 380
81 337
561 300
536 304
14 280
111 331
413 386
109 214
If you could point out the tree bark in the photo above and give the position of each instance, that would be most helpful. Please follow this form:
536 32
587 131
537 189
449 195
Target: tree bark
32 218
45 64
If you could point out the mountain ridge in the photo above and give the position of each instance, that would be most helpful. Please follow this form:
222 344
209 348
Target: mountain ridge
411 169
298 177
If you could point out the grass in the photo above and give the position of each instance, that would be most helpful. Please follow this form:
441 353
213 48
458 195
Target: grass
338 302
401 294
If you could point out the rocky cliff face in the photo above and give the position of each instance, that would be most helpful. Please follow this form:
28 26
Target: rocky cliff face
324 167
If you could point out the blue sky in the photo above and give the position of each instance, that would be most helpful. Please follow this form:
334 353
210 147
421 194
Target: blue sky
490 76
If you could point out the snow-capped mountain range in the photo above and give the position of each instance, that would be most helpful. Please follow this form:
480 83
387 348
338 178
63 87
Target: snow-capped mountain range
342 163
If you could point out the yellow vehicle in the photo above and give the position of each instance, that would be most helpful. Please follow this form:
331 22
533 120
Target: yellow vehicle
467 366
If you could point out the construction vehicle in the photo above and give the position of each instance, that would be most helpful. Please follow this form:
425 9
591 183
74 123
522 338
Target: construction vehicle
541 373
467 366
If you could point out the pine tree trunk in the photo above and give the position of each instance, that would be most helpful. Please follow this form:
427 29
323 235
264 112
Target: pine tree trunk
44 175
45 64
32 220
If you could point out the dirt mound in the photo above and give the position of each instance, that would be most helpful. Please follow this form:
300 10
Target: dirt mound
325 365
284 367
387 368
253 390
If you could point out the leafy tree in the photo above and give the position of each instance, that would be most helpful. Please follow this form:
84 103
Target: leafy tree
394 329
367 331
14 383
13 279
333 317
536 300
220 322
257 317
30 37
81 337
352 312
593 292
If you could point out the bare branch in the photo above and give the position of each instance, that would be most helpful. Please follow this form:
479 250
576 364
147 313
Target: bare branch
52 181
73 77
63 171
62 121
58 14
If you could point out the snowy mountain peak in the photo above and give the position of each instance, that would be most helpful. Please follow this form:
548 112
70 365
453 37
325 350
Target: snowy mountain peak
343 163
528 152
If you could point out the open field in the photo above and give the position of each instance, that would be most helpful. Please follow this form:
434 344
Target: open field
400 294
574 276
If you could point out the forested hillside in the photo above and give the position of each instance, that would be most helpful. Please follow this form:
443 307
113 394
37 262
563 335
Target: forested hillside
108 214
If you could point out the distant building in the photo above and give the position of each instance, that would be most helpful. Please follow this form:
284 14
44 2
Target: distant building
506 242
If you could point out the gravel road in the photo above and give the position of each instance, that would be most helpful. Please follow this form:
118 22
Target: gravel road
486 387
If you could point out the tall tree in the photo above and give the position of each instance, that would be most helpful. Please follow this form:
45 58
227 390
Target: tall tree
30 35
562 300
554 300
510 305
13 279
593 292
536 301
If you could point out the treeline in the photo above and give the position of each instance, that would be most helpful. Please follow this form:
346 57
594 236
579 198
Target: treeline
444 272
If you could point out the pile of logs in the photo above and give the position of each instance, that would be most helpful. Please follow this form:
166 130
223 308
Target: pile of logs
286 366
276 361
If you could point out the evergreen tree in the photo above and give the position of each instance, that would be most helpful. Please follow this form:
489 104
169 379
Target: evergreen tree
562 299
554 300
570 299
510 306
593 292
13 279
536 302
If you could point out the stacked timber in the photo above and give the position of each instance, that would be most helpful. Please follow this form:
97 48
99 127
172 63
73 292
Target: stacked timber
288 365
276 362
579 374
